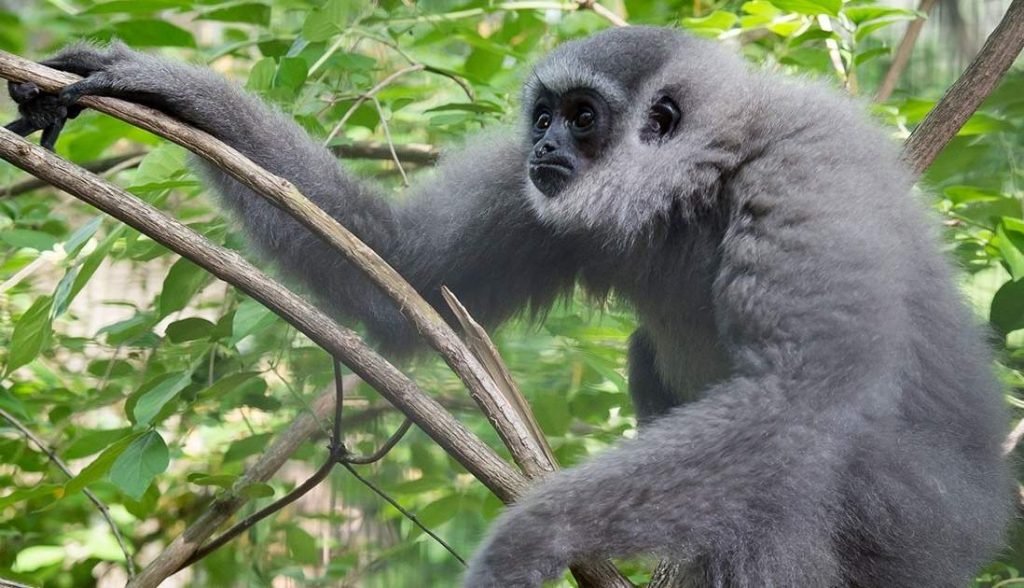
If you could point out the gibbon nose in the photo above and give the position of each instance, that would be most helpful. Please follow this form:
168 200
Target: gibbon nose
544 148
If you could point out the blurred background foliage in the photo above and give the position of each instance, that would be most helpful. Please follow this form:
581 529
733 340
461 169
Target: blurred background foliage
157 383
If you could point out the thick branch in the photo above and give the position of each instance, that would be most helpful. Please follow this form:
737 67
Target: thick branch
515 433
340 342
901 57
503 416
972 88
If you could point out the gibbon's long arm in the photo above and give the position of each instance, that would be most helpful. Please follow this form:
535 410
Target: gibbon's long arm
470 228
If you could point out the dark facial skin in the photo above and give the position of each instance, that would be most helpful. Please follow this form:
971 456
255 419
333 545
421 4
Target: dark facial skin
570 131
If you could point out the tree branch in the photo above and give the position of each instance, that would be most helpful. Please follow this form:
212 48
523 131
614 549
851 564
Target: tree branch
514 433
966 94
901 57
340 342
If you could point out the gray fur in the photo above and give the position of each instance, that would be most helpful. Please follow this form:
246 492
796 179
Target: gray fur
819 408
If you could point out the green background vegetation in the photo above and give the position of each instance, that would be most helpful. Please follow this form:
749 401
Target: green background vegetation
156 383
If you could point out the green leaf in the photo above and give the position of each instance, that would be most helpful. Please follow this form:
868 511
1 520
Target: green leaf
261 75
81 236
62 294
1010 241
225 481
136 6
52 492
226 384
440 511
130 329
36 557
326 22
31 333
717 21
1007 310
250 317
812 7
249 12
154 394
257 490
243 448
153 33
143 460
99 466
189 329
866 56
37 240
862 14
301 545
184 280
291 73
483 64
92 441
92 262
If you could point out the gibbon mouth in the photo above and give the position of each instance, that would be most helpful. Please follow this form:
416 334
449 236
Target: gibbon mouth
550 177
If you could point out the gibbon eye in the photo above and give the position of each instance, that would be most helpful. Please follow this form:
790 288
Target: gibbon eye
543 121
662 120
584 118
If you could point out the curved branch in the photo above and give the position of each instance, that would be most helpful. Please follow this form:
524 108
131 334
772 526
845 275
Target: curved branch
282 193
966 94
340 342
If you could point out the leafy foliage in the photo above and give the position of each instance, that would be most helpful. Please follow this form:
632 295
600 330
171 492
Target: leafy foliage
157 384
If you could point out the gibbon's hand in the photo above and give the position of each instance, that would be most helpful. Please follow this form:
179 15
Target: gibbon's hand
39 111
113 70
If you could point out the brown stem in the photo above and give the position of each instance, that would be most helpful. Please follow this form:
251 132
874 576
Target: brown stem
901 57
966 94
340 342
282 193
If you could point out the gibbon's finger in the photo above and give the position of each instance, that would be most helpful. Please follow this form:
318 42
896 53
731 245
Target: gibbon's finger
22 92
98 84
22 127
50 134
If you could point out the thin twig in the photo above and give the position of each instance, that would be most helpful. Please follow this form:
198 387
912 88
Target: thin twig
409 515
284 194
901 57
387 137
602 11
369 94
966 94
834 55
342 343
63 467
512 431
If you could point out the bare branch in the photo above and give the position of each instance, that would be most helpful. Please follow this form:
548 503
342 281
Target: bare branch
417 153
283 194
966 94
602 11
482 346
901 57
340 342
